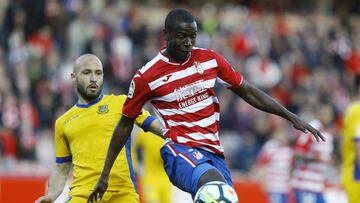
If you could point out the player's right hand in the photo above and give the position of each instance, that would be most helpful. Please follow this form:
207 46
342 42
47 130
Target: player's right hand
44 199
99 190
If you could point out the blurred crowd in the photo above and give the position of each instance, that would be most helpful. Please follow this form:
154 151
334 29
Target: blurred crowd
303 59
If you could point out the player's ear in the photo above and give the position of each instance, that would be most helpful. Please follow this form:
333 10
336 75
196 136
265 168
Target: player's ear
73 77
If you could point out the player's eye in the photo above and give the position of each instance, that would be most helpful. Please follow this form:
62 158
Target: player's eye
181 36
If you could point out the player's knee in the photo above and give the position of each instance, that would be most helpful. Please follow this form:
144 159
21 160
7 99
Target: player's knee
209 176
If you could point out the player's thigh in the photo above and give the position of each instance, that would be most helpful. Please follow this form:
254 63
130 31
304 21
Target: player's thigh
78 195
165 191
109 197
151 192
76 199
121 197
180 162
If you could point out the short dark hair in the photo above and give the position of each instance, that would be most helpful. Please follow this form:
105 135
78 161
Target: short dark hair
176 16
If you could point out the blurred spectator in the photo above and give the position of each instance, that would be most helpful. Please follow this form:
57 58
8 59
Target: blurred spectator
313 159
8 150
274 165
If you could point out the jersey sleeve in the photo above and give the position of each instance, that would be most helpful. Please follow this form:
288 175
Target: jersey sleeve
144 120
62 150
227 75
139 93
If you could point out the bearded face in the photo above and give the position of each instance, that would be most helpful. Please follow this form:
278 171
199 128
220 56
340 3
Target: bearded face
88 79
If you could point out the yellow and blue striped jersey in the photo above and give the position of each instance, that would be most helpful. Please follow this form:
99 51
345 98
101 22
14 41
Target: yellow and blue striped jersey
351 134
82 135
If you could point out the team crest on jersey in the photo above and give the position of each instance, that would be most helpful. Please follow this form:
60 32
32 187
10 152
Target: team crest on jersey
197 155
199 67
103 109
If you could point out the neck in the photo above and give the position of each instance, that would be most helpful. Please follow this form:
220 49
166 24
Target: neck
172 58
83 101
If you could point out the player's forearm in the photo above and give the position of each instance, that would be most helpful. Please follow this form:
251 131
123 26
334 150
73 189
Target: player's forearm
156 128
120 135
57 180
262 101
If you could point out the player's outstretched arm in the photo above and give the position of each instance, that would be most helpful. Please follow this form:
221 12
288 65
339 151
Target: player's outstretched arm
264 102
120 135
57 181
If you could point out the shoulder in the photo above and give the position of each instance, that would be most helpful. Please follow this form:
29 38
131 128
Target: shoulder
155 62
204 52
65 116
121 98
353 109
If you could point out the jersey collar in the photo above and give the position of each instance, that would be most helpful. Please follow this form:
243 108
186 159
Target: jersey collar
91 103
167 60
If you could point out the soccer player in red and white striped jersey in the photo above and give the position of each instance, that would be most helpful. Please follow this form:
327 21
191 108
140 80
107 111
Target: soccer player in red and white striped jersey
311 165
274 166
179 82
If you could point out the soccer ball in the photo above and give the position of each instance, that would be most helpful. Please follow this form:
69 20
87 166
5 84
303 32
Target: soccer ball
216 192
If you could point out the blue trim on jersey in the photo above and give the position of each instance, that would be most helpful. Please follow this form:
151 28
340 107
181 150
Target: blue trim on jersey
131 169
61 160
356 170
91 103
146 124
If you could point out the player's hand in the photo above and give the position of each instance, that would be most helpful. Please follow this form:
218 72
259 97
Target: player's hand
44 199
99 190
305 127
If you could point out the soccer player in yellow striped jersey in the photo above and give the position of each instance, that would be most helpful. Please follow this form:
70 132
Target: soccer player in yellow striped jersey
350 176
82 137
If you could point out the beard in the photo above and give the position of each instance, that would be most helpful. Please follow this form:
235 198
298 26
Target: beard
88 96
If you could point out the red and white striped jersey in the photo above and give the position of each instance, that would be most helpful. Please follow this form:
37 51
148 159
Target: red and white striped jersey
311 175
276 161
183 96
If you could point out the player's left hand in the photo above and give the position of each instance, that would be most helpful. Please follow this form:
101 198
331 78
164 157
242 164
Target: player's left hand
99 190
305 127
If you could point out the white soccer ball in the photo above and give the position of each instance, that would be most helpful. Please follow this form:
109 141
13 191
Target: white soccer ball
216 192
